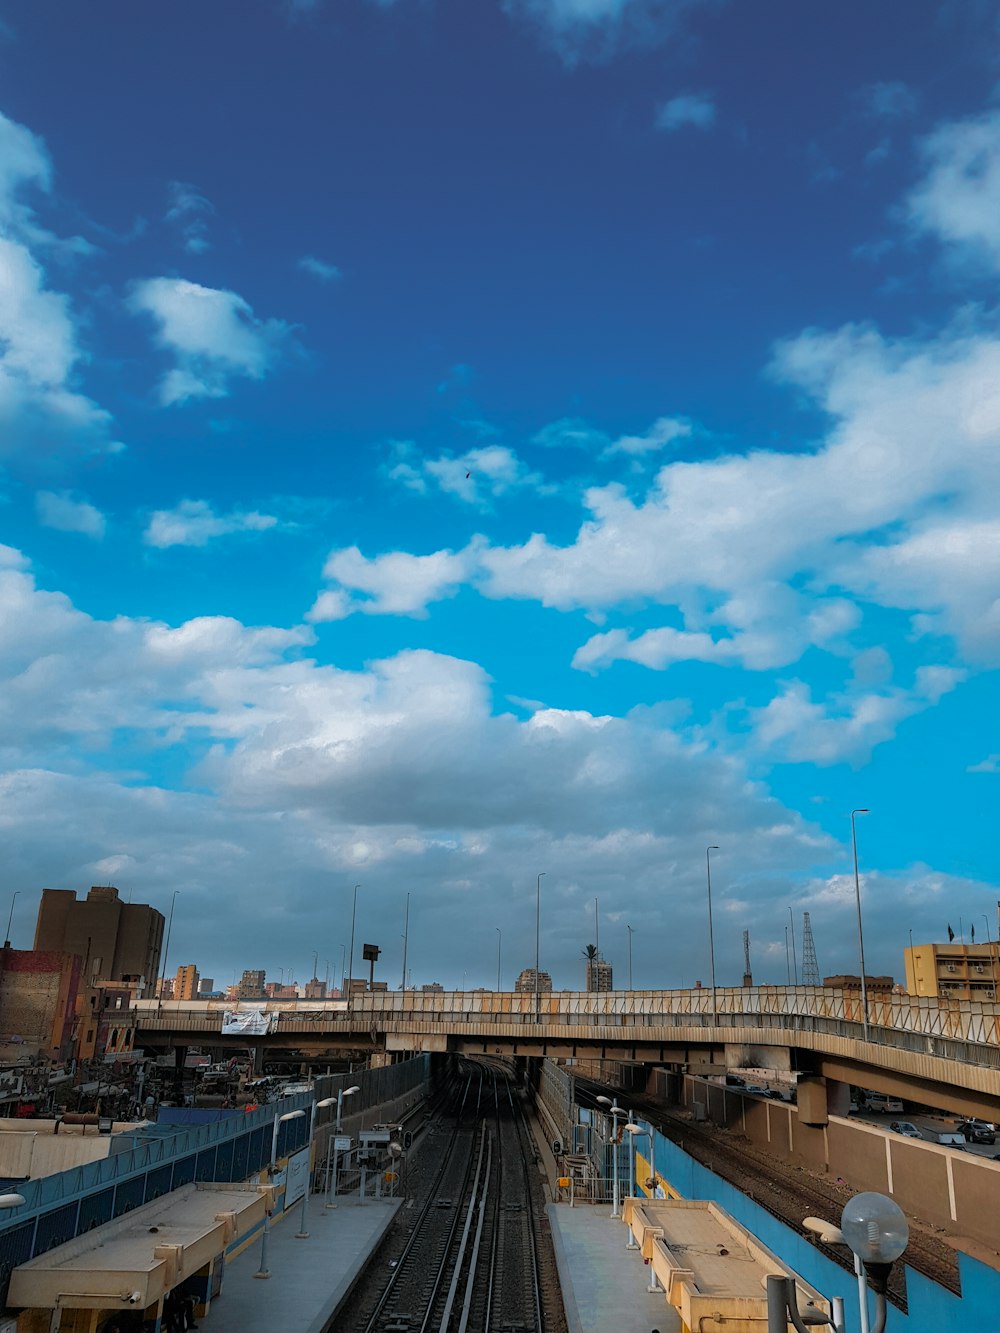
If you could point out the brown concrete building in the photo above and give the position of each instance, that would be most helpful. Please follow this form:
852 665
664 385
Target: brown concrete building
186 983
251 985
315 989
38 993
599 976
526 982
117 941
880 985
953 971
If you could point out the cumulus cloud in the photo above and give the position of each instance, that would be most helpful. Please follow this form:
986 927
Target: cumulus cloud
662 433
597 29
212 334
395 583
958 199
319 268
477 477
571 433
694 110
42 412
189 212
196 523
66 513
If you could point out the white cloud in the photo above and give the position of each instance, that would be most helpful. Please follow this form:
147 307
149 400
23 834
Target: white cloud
391 584
478 476
64 512
571 433
958 199
212 334
696 110
319 268
887 100
597 29
195 523
991 764
662 433
189 212
846 727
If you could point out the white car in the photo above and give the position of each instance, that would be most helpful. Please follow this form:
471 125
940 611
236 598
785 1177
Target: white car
907 1128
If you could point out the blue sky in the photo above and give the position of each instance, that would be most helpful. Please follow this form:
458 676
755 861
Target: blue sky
443 442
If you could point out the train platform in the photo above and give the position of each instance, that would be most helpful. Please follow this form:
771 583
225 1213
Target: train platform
310 1278
604 1285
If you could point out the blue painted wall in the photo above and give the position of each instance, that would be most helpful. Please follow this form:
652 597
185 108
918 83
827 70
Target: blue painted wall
932 1308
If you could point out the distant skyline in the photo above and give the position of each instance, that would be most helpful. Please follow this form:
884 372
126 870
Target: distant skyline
443 443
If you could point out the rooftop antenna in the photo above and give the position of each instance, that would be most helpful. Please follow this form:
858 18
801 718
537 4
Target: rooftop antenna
747 974
810 967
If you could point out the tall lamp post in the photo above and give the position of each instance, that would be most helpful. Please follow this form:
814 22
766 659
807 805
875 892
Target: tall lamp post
637 1132
711 933
614 1111
630 932
861 935
499 943
6 943
263 1270
343 1092
538 918
406 940
354 915
303 1231
166 947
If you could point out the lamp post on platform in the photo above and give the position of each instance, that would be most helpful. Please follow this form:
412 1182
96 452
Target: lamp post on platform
711 932
499 943
614 1111
861 935
303 1231
630 933
263 1271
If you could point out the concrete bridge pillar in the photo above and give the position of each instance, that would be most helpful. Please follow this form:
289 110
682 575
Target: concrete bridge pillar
818 1098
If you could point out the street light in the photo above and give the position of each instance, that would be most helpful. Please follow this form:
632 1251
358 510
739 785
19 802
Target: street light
630 933
166 948
861 937
499 943
538 917
11 1200
6 943
874 1227
354 913
637 1132
711 933
303 1232
263 1270
614 1110
342 1093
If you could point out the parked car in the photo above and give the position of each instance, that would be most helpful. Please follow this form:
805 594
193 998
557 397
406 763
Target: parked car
757 1089
977 1131
906 1128
881 1104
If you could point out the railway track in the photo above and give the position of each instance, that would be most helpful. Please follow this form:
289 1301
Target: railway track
789 1193
471 1253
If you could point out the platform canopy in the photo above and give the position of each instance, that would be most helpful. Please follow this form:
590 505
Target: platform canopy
128 1264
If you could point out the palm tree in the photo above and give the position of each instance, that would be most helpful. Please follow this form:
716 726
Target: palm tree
590 953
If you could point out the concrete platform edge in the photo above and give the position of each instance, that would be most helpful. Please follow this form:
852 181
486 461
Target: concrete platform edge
341 1296
573 1321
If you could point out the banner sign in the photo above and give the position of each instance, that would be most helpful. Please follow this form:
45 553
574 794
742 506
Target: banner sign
248 1023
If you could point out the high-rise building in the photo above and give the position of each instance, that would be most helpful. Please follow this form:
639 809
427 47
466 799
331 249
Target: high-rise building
252 985
38 992
598 974
526 982
117 941
953 971
186 982
206 986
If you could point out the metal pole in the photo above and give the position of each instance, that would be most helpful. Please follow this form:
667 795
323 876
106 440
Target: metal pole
263 1270
839 1317
711 933
303 1230
615 1209
861 937
406 932
354 914
629 929
597 932
788 959
6 943
777 1314
166 948
993 957
795 961
499 943
538 917
862 1294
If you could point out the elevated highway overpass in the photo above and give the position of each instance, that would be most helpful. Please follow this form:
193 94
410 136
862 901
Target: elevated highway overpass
918 1048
